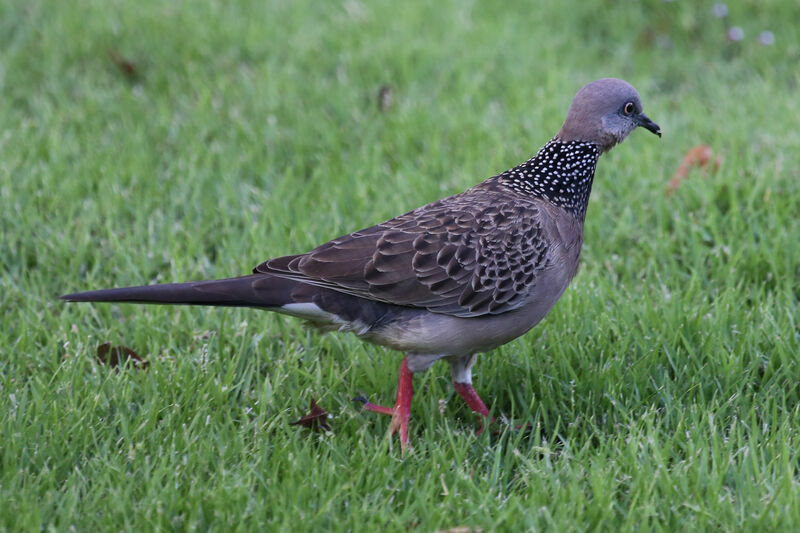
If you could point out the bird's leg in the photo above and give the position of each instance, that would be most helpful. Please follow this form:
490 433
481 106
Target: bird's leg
461 371
401 411
467 392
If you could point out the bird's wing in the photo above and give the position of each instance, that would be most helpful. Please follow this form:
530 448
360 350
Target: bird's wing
468 255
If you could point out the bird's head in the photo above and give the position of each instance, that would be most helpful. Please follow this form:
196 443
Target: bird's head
605 112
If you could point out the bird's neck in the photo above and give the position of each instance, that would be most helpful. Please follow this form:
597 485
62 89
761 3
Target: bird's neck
561 173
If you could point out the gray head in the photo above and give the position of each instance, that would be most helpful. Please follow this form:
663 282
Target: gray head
605 112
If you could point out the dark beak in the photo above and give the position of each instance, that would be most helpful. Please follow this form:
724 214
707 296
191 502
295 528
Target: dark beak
648 124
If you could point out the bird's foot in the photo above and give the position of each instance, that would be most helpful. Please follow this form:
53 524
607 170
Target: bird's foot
401 412
467 392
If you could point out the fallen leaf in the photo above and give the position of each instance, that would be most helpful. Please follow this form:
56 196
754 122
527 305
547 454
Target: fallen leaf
315 420
385 94
115 356
126 66
699 156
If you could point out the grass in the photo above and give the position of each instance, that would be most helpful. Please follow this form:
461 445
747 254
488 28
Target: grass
663 387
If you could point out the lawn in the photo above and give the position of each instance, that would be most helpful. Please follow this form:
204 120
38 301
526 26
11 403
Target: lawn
145 142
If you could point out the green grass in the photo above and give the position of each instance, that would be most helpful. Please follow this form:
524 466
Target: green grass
663 387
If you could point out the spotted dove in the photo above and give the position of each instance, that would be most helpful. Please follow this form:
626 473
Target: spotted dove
448 280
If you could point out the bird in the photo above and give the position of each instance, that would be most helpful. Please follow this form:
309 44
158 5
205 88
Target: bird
449 280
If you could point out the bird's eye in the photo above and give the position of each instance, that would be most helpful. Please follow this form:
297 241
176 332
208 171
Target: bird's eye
629 108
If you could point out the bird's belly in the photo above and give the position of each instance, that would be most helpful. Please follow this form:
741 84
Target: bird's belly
423 332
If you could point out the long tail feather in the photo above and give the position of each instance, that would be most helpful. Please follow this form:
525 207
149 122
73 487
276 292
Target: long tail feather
256 290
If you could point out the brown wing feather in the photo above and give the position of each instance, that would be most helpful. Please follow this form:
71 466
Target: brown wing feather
472 254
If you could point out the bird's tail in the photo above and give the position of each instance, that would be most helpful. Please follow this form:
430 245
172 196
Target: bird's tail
257 290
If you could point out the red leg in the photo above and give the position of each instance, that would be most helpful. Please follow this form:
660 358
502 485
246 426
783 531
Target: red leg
467 392
401 411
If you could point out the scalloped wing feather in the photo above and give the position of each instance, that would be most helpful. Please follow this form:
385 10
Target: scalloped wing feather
473 254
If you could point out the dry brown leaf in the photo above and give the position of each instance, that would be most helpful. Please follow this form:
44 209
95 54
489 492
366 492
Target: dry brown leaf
315 420
126 66
700 156
115 356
